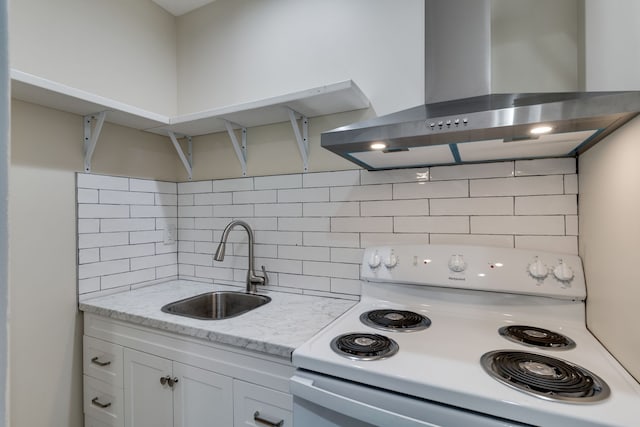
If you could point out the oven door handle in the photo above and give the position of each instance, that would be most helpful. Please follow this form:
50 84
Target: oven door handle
305 388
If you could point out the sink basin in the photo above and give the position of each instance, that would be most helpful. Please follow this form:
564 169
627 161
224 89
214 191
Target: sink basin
216 305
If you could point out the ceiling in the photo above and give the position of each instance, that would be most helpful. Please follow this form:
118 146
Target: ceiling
180 7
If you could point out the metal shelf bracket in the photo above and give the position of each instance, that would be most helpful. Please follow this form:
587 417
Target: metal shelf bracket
241 150
91 135
187 160
302 138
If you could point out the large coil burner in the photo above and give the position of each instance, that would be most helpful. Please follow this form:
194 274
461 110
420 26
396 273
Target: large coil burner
364 346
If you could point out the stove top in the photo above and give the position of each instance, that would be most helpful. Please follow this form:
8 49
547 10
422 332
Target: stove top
468 314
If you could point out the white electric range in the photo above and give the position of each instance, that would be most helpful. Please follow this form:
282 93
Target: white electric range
462 336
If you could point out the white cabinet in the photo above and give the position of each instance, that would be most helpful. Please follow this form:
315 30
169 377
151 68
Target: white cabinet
139 377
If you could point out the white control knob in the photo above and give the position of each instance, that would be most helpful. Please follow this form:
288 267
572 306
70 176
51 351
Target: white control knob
457 263
563 272
537 269
392 261
374 261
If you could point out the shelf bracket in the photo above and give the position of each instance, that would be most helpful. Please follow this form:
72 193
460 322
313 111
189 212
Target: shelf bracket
91 135
301 138
187 160
241 150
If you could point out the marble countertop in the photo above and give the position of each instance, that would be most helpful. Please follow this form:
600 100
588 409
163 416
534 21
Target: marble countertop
276 328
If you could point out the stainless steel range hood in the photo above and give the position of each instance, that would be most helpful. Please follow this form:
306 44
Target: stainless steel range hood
465 123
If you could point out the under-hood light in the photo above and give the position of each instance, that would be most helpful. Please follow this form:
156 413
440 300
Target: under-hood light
378 146
539 130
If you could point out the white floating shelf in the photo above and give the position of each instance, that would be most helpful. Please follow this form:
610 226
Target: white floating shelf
319 101
34 89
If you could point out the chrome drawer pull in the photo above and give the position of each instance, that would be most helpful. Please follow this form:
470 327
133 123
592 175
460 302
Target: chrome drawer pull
96 361
267 420
97 403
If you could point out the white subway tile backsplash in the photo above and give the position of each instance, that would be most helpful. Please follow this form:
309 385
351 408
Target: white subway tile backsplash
129 251
278 209
145 237
395 208
331 269
571 225
500 241
102 182
129 278
151 186
517 225
339 240
235 184
347 255
431 224
195 187
393 176
364 192
526 186
362 224
561 244
331 179
431 190
307 253
303 224
103 211
233 211
546 166
277 182
472 206
472 171
125 198
382 239
98 240
345 286
255 196
331 209
127 224
87 195
303 195
304 282
571 184
310 229
88 225
547 205
96 269
153 261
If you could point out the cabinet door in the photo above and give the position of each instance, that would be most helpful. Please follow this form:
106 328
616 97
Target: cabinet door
201 398
147 402
258 406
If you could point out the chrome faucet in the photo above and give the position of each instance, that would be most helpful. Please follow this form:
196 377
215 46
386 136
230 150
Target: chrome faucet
252 278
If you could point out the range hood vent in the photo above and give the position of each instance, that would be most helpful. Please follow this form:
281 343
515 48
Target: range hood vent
484 128
462 121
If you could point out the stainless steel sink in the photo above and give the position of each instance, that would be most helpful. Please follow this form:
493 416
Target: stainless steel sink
216 305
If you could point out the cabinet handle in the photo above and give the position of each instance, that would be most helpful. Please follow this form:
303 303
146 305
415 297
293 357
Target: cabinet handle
163 380
96 361
266 420
172 381
97 403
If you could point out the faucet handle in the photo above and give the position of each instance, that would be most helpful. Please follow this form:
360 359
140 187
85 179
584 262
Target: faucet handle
264 275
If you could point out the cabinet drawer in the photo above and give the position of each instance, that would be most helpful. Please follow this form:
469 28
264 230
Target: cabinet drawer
103 402
261 406
92 422
102 360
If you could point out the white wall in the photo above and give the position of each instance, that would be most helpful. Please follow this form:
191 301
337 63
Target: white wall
612 45
236 51
609 236
120 49
4 188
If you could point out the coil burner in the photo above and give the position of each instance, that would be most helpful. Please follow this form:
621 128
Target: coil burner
545 377
363 346
395 320
537 337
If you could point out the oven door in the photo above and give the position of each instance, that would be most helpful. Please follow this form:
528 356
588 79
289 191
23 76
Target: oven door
323 401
